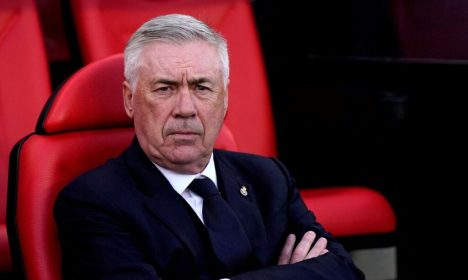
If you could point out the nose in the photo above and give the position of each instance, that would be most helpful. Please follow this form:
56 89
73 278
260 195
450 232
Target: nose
185 106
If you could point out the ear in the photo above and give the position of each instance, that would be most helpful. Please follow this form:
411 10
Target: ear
226 103
128 99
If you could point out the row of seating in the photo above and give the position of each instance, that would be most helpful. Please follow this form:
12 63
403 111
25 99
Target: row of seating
24 89
87 112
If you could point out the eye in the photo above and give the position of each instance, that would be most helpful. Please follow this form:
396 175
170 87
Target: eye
163 89
202 88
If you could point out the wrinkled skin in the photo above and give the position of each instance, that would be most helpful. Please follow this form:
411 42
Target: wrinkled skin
178 105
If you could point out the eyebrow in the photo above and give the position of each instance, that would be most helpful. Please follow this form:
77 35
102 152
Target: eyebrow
164 81
175 83
199 81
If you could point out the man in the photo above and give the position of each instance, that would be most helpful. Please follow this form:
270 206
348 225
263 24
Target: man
152 213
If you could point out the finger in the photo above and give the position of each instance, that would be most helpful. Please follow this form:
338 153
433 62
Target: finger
318 248
301 250
288 247
324 251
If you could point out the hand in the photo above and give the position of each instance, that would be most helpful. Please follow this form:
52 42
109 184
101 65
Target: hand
304 250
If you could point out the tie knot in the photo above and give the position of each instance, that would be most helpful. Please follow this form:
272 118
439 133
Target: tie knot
204 187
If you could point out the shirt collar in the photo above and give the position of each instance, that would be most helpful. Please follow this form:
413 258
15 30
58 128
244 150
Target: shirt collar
181 181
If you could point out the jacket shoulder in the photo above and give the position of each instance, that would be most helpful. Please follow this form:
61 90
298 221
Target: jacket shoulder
109 180
254 165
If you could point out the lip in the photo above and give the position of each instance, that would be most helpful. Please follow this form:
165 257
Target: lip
184 135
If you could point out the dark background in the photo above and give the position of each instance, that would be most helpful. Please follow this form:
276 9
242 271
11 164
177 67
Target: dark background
371 92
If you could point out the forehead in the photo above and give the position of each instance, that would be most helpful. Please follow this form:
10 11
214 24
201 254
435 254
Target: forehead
173 58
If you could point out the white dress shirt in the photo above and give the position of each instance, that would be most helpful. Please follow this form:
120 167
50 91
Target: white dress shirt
180 182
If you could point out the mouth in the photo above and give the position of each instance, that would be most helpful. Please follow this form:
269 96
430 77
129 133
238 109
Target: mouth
183 132
184 135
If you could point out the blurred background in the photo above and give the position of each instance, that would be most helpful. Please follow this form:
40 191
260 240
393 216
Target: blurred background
370 92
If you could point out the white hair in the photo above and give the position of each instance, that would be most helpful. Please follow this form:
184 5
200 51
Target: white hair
172 28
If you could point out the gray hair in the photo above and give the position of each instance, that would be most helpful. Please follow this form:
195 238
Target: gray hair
172 28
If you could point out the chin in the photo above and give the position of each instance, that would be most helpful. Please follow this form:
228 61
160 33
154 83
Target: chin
186 155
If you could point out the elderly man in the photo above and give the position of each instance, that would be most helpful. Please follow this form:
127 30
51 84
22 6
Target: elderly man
172 207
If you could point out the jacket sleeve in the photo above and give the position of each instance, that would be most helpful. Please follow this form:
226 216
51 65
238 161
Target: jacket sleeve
336 264
94 242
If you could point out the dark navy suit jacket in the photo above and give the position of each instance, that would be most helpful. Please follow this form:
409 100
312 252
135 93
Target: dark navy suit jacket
123 220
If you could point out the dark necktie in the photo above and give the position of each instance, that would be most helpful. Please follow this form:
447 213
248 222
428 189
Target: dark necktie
228 239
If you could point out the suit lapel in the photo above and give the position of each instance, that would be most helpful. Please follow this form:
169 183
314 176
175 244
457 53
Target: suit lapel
162 200
239 194
168 207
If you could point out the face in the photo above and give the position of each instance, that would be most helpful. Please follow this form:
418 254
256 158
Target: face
178 105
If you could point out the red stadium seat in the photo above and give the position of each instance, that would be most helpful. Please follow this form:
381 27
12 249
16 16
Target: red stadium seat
351 210
82 126
24 89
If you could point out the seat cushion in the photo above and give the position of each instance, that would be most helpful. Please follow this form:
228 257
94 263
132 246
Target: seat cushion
350 210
